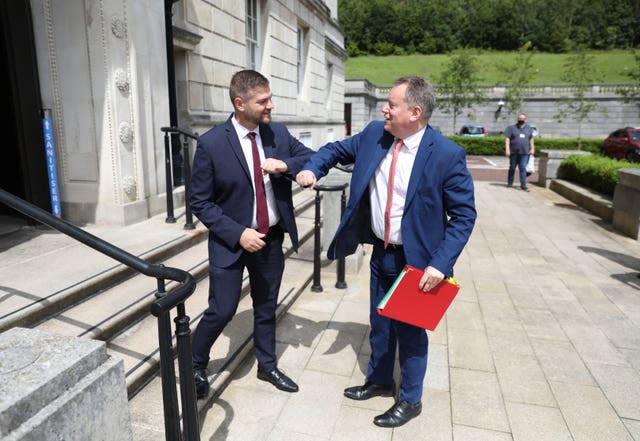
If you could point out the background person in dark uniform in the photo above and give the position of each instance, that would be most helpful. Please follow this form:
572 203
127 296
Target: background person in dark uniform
518 145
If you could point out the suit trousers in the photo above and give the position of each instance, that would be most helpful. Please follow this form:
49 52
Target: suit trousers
265 269
386 333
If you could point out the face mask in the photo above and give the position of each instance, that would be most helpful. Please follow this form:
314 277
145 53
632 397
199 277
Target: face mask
520 122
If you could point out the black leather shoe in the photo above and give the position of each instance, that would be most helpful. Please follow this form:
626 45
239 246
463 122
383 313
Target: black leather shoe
369 390
202 383
400 413
278 379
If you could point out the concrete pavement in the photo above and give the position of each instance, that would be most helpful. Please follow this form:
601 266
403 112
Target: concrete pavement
542 342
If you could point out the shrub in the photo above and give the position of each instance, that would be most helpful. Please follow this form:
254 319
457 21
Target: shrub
494 145
595 172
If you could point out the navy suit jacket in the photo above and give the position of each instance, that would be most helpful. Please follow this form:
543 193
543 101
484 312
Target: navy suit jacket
222 195
439 211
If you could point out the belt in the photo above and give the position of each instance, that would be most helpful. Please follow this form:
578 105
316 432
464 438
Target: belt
390 246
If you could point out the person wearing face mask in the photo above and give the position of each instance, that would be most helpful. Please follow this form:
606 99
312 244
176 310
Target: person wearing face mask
518 145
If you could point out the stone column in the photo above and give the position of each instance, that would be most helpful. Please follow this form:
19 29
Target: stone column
550 161
626 202
55 387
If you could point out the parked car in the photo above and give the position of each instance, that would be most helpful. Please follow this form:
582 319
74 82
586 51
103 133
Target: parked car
534 130
473 130
623 144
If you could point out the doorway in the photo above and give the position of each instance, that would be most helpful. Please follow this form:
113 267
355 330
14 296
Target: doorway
23 167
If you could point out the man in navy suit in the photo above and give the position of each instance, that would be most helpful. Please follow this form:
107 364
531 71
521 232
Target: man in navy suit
239 192
411 197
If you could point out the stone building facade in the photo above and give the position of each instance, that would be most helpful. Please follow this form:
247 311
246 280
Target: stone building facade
100 68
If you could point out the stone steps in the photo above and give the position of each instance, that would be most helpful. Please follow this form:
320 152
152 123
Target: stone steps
113 304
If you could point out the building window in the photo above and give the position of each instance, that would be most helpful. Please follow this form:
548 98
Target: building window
302 56
253 42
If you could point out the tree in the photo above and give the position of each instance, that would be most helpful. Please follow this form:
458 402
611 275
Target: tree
518 76
580 73
458 84
632 92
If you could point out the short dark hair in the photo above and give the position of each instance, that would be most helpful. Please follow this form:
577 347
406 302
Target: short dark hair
242 82
419 93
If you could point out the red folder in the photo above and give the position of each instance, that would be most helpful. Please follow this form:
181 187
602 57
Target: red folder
405 301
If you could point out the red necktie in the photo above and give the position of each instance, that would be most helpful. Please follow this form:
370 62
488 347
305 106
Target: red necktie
387 210
262 215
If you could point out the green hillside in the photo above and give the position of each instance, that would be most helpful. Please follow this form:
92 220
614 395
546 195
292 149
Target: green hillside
383 70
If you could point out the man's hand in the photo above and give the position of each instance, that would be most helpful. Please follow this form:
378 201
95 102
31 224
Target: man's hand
306 179
430 279
251 240
273 165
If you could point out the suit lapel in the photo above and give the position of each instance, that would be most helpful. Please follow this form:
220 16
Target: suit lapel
424 151
234 142
268 141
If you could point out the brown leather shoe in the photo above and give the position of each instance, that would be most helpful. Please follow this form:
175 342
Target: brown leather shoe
370 390
399 414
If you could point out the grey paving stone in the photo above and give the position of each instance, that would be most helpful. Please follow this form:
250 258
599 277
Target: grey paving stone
356 424
560 362
476 400
336 352
499 313
541 324
593 346
467 433
588 414
514 342
470 350
245 414
621 385
526 296
537 423
465 315
623 333
633 426
522 380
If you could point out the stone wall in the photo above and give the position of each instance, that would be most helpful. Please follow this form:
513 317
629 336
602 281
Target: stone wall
541 104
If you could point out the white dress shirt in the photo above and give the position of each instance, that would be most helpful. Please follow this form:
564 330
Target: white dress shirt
245 142
378 187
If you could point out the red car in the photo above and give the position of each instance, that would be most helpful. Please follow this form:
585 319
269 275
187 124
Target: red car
623 144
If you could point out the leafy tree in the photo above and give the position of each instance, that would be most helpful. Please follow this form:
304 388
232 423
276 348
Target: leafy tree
581 74
632 93
519 74
458 85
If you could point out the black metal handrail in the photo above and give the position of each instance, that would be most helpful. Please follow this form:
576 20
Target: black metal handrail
340 283
186 170
160 308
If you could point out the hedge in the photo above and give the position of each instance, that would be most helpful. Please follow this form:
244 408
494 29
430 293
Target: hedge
494 145
595 172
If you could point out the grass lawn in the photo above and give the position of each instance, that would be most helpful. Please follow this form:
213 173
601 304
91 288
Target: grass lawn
611 67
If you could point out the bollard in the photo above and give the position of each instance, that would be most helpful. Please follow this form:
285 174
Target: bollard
167 170
340 282
316 287
187 185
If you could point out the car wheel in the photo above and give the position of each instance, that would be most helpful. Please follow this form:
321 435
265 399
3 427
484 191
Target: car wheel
632 156
603 151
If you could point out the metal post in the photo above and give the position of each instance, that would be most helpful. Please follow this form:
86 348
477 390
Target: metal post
316 287
340 282
187 185
187 382
167 169
168 373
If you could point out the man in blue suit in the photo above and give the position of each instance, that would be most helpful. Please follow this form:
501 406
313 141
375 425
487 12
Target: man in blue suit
411 197
239 192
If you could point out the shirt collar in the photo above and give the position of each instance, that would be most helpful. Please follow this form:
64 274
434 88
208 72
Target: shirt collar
412 142
241 130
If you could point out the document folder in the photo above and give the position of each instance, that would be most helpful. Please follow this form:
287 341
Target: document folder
405 301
